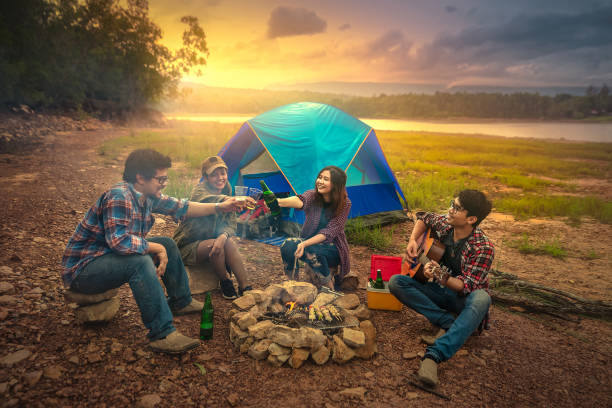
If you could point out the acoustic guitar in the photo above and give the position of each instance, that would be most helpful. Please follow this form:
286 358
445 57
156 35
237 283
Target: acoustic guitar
429 249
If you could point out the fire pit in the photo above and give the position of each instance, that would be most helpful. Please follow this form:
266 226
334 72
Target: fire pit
293 321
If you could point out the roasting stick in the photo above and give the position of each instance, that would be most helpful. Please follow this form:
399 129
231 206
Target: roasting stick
428 389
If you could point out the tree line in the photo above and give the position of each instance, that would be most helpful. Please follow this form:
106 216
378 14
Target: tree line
101 56
441 105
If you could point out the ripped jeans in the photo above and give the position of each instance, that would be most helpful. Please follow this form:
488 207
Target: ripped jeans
320 257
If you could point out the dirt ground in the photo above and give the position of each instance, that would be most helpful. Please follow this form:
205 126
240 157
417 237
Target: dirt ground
524 360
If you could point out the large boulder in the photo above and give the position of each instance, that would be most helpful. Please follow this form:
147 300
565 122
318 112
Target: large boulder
98 312
84 300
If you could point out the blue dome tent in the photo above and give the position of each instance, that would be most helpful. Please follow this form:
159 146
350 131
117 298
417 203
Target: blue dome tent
287 146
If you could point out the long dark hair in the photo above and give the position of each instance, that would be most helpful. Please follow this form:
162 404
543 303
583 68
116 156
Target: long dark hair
338 191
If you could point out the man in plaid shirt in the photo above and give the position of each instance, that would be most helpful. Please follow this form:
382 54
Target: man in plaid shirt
109 248
457 302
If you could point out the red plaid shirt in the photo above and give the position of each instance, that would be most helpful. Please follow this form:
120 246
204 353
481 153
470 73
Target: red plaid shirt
476 256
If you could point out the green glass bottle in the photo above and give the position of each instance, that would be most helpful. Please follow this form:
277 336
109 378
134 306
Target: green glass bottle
206 324
379 282
270 199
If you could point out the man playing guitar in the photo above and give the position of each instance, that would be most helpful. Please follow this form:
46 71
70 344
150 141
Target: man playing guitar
462 291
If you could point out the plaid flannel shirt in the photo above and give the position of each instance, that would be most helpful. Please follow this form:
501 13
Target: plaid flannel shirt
476 256
333 231
117 223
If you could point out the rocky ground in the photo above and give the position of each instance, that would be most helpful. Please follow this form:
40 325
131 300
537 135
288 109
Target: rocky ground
48 359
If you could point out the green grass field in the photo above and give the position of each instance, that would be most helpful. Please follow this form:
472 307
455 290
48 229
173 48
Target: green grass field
524 177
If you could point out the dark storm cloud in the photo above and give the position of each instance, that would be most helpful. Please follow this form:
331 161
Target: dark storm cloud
290 21
523 38
450 9
344 27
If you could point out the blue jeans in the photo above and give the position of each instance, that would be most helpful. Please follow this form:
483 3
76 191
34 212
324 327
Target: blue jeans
111 271
438 304
320 257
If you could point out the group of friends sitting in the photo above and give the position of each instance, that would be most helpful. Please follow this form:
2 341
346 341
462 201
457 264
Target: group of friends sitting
110 247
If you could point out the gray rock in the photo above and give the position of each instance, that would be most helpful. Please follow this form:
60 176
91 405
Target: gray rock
84 300
353 338
277 350
323 299
300 292
259 350
341 353
370 348
350 301
361 312
245 302
246 321
15 358
275 291
309 338
283 335
236 335
261 329
278 360
244 347
298 357
99 312
320 355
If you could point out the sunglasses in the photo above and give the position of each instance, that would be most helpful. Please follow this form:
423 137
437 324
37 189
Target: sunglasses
161 179
455 207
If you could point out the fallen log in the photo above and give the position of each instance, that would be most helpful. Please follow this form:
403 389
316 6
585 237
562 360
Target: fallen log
509 290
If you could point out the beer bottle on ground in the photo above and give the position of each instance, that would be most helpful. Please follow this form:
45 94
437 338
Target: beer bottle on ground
270 199
206 324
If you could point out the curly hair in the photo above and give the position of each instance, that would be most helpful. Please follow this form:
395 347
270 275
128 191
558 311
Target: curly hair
145 162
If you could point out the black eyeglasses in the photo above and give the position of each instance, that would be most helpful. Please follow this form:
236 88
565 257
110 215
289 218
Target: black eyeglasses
161 179
456 207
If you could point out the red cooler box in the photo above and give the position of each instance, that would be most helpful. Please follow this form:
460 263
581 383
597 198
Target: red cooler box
388 265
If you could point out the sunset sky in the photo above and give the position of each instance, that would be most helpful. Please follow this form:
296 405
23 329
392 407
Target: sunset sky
258 43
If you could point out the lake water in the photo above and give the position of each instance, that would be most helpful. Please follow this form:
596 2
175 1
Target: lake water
579 131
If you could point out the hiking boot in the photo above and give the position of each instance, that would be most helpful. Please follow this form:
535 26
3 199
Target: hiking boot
246 288
174 343
430 340
428 372
193 307
228 290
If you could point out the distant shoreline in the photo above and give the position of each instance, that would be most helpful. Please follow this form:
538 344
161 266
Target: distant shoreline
592 120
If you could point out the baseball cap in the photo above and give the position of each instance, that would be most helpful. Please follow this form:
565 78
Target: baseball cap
210 164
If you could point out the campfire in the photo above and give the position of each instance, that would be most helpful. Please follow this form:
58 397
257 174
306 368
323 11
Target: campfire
292 322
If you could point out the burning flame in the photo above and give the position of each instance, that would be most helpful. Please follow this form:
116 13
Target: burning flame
290 305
